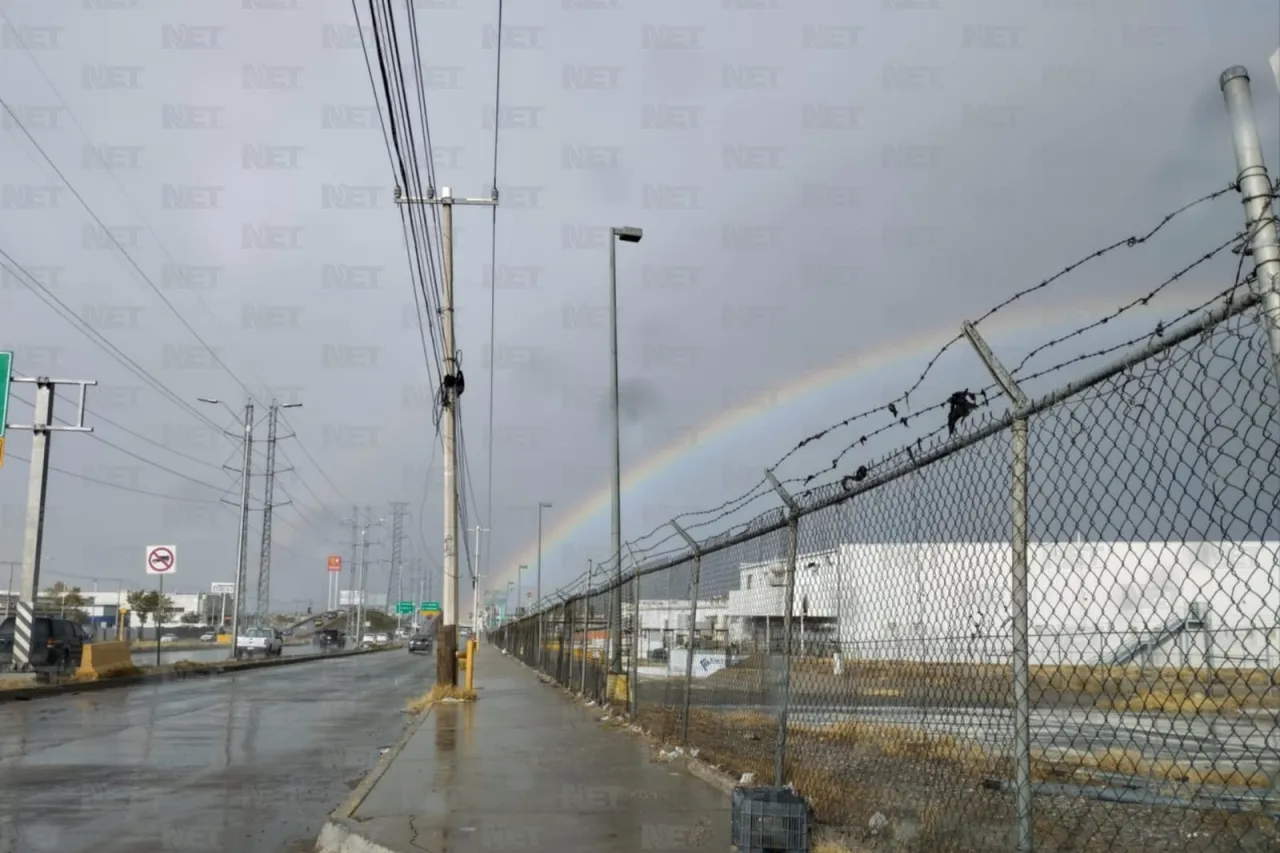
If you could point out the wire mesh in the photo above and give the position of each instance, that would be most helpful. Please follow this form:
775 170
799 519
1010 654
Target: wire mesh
871 647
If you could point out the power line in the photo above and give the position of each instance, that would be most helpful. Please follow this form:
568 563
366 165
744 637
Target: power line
128 257
115 485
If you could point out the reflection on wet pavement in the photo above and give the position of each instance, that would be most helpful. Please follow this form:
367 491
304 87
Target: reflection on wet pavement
246 763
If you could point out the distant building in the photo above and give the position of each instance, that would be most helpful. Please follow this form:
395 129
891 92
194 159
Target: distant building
1156 603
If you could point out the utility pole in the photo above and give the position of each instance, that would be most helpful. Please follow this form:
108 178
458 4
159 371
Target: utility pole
452 385
364 578
268 498
42 427
355 567
475 584
242 539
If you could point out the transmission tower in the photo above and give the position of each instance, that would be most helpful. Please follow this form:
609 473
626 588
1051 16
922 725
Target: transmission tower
394 581
268 498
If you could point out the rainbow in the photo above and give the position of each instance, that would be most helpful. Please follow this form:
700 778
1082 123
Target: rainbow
727 422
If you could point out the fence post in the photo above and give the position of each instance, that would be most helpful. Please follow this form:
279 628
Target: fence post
1256 191
634 681
793 537
1018 593
586 628
693 629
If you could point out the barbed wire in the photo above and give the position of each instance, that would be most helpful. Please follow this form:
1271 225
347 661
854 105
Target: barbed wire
905 396
959 405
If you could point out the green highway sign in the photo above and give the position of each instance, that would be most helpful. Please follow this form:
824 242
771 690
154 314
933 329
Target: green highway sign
430 607
6 368
404 607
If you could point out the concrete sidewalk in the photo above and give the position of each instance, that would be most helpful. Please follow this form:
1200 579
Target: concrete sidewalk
525 768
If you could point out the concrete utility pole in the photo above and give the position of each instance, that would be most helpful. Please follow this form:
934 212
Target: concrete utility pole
1259 211
364 574
475 583
42 427
627 235
452 385
355 568
268 498
242 539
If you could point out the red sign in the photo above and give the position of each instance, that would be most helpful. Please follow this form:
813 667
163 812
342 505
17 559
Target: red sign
335 563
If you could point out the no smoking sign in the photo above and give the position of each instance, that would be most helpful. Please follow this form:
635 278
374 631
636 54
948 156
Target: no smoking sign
162 559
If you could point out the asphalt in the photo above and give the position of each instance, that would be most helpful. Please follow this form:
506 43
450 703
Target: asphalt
251 763
525 767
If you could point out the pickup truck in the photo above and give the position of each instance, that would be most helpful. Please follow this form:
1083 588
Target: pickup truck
263 641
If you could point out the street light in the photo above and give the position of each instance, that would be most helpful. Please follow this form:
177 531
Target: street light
242 537
519 583
541 506
626 234
364 573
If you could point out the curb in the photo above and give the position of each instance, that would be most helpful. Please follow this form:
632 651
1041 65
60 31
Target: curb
45 691
340 833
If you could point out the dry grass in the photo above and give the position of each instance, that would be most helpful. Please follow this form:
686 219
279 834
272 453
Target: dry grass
122 670
931 788
1075 765
16 683
833 846
1171 702
439 693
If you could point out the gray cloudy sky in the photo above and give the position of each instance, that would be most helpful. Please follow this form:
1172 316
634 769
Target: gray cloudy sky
819 183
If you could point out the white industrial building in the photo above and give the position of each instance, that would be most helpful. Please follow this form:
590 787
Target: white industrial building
1157 603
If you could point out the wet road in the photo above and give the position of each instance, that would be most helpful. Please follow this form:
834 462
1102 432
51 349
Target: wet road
250 763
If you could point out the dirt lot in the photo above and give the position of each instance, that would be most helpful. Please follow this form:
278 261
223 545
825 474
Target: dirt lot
939 794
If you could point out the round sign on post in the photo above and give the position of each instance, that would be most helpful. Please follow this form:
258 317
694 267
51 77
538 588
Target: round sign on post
162 559
335 563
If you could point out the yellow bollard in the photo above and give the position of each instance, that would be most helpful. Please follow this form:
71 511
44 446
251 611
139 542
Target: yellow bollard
472 646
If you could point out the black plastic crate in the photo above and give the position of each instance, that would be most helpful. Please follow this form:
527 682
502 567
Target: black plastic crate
770 820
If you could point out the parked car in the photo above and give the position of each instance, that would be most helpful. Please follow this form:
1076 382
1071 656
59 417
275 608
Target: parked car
263 641
208 637
57 644
382 637
419 643
168 638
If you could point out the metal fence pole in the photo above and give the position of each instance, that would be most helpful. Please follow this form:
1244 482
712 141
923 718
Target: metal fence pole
1018 595
793 544
693 630
1256 190
634 681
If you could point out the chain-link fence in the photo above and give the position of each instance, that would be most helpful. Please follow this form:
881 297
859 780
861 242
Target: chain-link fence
1057 629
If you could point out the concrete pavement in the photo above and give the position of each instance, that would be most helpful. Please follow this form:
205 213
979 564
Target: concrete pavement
250 763
525 768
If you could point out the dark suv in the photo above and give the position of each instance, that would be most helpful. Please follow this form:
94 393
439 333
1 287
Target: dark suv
420 643
56 643
331 638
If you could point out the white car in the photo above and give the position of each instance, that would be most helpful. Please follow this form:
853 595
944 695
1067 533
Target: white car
263 641
210 637
169 638
382 638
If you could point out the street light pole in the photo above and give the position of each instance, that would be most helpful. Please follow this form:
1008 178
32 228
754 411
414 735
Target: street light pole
242 539
626 235
541 506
